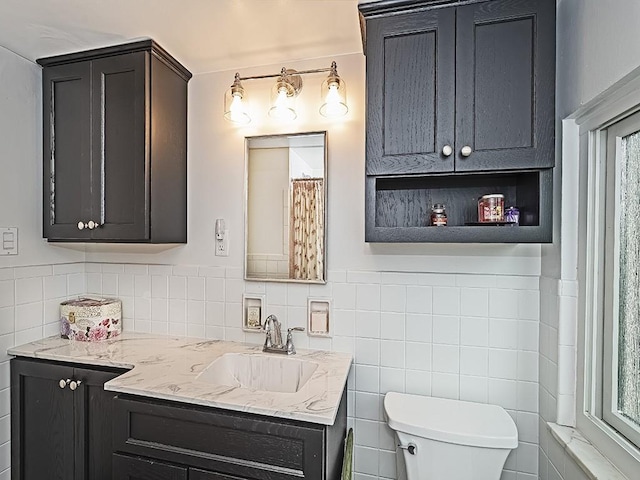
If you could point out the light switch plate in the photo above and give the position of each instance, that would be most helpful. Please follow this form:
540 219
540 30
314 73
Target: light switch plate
8 241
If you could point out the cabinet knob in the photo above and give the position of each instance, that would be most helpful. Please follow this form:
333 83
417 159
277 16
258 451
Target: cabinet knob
63 383
82 226
466 151
92 225
447 150
73 385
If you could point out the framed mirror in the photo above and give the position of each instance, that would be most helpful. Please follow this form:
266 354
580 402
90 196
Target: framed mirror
285 207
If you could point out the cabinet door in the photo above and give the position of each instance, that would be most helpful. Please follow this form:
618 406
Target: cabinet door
66 91
410 92
505 83
140 468
94 414
119 161
42 422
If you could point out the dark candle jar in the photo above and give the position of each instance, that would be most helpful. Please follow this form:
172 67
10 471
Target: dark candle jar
438 216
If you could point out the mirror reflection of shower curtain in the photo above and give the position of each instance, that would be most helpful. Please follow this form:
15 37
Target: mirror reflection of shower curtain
306 249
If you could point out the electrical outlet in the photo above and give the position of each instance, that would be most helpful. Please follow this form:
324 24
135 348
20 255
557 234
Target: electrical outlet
8 241
222 245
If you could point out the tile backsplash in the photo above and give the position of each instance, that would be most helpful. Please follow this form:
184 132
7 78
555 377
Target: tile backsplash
472 337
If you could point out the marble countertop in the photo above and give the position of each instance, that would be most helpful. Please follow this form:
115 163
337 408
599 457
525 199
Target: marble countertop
167 368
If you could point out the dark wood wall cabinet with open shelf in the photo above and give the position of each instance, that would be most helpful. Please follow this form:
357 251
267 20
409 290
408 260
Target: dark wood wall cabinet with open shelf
460 104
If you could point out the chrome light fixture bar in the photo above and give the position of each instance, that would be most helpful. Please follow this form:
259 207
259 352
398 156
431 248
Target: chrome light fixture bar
288 85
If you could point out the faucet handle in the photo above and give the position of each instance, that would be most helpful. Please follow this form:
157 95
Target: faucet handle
290 348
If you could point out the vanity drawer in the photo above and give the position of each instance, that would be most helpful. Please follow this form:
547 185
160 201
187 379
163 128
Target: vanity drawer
233 443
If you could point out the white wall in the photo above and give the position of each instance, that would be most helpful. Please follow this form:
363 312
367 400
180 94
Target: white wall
597 42
597 46
462 323
459 321
33 283
21 163
216 172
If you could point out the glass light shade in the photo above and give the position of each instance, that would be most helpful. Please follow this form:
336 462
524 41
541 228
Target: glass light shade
235 105
333 95
283 98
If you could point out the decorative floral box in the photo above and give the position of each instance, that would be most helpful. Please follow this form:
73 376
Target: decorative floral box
89 319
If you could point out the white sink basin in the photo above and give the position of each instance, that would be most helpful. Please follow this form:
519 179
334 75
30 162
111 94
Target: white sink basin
268 373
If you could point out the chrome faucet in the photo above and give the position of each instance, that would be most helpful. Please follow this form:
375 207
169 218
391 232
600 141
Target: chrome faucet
274 333
273 341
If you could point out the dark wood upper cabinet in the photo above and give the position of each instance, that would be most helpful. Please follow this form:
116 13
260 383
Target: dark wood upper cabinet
460 104
505 85
479 76
115 134
410 92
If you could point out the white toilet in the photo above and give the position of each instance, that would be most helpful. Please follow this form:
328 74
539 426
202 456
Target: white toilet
442 439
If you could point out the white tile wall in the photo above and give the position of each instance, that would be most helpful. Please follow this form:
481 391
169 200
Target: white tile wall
29 310
472 337
458 336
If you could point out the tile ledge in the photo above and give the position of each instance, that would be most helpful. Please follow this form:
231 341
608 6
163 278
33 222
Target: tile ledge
587 457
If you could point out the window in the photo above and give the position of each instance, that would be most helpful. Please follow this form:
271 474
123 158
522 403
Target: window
620 351
601 247
608 381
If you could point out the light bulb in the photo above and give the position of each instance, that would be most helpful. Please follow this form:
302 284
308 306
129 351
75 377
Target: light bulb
235 104
333 103
281 100
280 109
236 110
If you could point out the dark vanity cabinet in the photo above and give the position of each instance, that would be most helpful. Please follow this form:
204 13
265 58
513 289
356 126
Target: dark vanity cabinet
114 142
61 421
65 426
460 103
183 441
137 468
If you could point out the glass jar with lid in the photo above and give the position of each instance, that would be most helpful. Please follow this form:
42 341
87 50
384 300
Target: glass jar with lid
438 216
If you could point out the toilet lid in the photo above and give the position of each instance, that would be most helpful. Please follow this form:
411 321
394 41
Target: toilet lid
451 421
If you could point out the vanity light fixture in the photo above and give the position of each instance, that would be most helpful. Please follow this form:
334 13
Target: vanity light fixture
283 95
235 107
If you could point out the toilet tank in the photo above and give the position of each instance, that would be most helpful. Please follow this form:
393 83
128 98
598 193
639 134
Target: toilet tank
454 440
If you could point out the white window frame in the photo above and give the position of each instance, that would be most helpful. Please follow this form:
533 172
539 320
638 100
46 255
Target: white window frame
613 136
587 130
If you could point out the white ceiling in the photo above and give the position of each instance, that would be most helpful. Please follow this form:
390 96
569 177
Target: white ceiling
205 35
